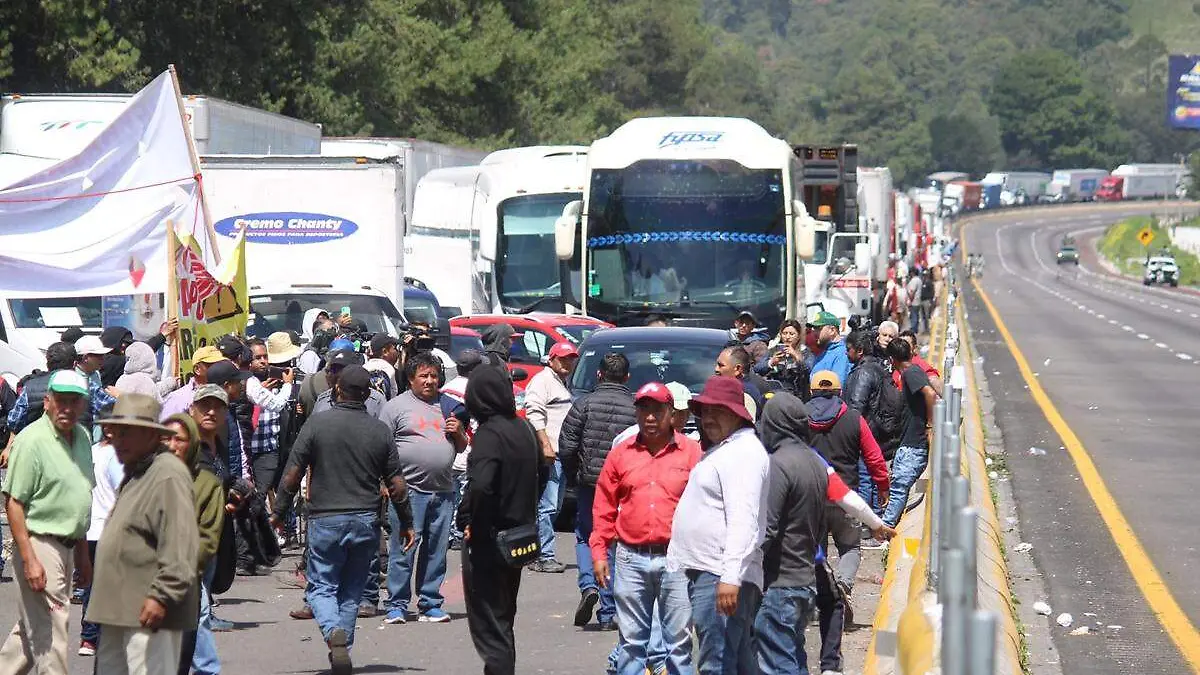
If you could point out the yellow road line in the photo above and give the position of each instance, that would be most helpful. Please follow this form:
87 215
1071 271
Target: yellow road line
1172 617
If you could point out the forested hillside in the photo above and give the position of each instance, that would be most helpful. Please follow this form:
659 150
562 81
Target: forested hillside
920 84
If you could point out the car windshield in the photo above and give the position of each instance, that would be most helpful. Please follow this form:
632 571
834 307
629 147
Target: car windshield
577 333
1068 249
58 312
527 268
418 309
662 360
271 313
460 342
676 232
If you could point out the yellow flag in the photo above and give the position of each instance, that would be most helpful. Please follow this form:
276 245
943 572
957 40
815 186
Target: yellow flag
209 303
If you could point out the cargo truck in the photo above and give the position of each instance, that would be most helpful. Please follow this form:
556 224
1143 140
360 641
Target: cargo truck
1075 185
57 126
1143 181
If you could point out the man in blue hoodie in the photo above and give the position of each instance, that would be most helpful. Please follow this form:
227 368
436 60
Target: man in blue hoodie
829 343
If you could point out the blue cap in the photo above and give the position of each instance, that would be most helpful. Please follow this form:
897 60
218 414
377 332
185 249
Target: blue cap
341 343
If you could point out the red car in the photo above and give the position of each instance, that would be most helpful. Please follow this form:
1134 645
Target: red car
536 333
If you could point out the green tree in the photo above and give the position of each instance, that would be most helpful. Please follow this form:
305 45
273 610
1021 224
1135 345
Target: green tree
1048 109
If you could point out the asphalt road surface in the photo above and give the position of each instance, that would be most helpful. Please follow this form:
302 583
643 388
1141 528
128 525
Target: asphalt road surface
1121 364
265 641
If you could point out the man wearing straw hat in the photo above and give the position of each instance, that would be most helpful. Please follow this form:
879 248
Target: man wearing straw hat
145 593
717 534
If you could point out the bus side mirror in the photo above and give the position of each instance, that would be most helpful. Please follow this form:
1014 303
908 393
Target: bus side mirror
862 257
804 231
564 230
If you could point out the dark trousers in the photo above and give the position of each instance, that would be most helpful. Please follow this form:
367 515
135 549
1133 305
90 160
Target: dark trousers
266 471
831 610
490 589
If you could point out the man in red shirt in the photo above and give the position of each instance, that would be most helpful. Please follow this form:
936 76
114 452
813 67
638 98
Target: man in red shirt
639 488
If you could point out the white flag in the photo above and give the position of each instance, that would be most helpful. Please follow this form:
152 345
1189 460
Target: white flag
95 223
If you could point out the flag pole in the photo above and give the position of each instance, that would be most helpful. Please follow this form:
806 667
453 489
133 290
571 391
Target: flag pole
173 296
195 158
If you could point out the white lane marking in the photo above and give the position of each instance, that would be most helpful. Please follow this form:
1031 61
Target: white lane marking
1112 321
1183 357
1143 336
1127 329
1160 345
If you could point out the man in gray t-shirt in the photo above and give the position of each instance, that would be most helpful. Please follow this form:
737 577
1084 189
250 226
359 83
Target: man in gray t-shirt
426 442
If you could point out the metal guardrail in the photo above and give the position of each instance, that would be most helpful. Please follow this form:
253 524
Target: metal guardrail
968 634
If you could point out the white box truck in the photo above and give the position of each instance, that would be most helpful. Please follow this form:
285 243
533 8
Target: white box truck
56 126
1075 185
1144 181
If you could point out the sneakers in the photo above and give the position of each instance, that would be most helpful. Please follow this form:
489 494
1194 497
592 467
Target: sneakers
435 615
871 544
87 648
396 617
367 611
550 566
587 604
339 653
609 625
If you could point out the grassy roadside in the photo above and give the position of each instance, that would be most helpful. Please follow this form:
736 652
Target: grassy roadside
1120 246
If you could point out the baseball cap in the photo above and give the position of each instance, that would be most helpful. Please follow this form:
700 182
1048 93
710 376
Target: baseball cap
466 360
210 391
343 358
746 316
654 391
230 347
563 350
825 380
207 354
681 394
68 382
355 380
341 343
90 344
224 371
381 342
825 319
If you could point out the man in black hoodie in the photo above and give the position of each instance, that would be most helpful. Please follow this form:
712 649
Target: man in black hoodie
497 345
504 481
801 486
583 444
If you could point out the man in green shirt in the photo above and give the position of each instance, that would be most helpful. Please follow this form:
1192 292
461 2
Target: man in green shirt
48 498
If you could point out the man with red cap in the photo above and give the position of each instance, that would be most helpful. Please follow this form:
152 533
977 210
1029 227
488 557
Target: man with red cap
642 481
717 536
547 402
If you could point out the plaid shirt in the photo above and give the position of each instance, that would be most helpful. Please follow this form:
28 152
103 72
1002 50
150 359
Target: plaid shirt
100 399
268 407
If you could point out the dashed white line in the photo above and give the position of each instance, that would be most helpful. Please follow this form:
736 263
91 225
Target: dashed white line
1143 336
1160 345
1127 329
1183 357
1112 321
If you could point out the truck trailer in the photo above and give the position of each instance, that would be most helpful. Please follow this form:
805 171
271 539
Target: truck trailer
1075 185
1143 181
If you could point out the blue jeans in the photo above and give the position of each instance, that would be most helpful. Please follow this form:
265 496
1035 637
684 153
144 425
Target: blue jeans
370 597
460 486
432 512
907 466
548 507
204 659
639 582
779 630
584 496
340 548
726 642
867 490
88 631
656 651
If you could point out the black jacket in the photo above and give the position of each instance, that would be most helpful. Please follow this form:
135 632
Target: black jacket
591 425
504 471
796 499
863 386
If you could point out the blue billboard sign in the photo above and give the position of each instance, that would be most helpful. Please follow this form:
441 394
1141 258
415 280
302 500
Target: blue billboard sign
286 227
1183 91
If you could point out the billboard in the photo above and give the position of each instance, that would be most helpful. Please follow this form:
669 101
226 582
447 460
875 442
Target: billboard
1183 91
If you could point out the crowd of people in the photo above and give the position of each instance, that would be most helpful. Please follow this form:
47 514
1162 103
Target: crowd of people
705 515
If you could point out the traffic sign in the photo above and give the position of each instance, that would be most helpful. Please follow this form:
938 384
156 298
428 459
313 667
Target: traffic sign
1146 235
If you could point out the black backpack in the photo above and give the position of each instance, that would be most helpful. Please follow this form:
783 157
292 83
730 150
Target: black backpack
889 417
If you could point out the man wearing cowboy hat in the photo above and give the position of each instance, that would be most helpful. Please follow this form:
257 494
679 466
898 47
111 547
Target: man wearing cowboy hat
717 534
145 593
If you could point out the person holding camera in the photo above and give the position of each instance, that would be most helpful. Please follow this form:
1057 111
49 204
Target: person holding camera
786 362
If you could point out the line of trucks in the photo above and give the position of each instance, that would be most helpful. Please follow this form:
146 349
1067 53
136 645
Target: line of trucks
952 192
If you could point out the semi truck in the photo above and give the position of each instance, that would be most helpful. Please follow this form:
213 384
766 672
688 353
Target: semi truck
493 224
1075 185
57 126
1018 188
1143 181
698 218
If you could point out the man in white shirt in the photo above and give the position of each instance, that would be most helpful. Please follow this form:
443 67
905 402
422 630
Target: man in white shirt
547 402
717 535
108 472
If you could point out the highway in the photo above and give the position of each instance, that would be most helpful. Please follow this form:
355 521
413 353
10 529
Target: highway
1119 366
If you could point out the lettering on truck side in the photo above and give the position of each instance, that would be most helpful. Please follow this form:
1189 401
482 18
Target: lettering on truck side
675 138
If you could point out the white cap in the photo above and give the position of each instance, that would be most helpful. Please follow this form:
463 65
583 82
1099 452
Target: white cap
90 344
681 394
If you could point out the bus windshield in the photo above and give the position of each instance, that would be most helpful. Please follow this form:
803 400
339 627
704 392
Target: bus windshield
527 270
669 232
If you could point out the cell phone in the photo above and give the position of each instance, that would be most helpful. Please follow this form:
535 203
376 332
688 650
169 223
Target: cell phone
345 310
274 373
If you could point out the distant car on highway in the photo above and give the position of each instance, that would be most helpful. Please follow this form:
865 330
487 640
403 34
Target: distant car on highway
1067 255
536 333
